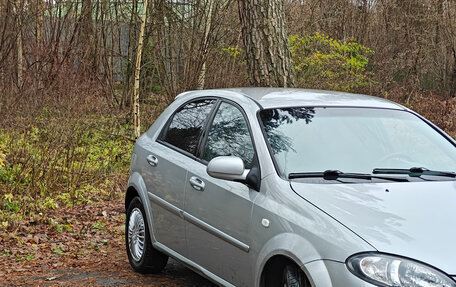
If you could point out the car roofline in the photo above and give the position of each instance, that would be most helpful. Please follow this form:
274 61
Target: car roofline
267 98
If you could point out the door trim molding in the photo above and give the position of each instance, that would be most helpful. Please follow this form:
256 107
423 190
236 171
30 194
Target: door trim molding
199 223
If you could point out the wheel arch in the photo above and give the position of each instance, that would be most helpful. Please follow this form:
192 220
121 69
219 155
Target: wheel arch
129 195
137 187
281 250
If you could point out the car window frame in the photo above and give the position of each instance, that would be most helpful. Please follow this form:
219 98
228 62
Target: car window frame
164 130
207 125
204 138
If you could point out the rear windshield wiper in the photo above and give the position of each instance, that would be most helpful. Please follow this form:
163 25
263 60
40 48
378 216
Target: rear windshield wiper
335 174
413 172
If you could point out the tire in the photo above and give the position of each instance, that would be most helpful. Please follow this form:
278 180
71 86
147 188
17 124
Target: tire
141 254
292 276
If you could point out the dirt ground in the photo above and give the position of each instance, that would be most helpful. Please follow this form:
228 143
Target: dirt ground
81 246
175 274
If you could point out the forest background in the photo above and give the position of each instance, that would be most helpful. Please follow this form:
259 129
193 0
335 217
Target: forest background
67 88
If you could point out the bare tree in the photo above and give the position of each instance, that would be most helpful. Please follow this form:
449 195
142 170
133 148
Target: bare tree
202 43
137 119
20 54
208 13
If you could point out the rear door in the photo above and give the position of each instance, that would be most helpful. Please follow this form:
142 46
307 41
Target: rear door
219 210
167 161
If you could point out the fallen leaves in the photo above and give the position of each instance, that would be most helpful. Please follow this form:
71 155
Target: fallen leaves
75 237
92 253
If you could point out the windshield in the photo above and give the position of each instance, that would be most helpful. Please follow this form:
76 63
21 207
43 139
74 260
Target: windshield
356 140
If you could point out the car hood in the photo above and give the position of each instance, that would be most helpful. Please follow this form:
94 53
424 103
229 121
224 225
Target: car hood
412 219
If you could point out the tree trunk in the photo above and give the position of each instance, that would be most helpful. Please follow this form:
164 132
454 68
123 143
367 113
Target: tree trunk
39 42
208 12
266 43
39 22
137 72
88 36
20 54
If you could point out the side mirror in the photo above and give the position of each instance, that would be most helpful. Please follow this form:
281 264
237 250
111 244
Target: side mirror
227 167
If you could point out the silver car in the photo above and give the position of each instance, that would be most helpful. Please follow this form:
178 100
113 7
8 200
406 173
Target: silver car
288 187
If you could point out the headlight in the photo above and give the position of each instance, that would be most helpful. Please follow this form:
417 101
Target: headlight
391 271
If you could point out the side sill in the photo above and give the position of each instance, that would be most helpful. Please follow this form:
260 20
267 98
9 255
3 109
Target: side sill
192 265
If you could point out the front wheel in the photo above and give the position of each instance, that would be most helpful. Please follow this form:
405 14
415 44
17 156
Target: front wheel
141 254
292 276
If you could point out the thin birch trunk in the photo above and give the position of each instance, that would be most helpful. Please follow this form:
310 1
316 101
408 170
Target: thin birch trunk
137 72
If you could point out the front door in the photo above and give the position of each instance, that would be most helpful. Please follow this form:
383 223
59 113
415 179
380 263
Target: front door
218 210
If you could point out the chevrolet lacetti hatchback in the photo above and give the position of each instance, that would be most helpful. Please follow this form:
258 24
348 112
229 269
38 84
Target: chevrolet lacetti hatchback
288 187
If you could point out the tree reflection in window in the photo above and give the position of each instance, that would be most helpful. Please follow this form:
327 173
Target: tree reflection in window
187 124
273 120
229 135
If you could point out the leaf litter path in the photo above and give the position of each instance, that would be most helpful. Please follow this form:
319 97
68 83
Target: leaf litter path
81 245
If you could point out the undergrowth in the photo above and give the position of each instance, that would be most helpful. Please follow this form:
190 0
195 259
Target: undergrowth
52 160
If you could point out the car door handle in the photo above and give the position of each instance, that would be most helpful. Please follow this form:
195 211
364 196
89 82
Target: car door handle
152 160
197 183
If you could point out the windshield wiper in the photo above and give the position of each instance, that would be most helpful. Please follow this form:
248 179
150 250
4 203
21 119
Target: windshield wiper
335 174
413 172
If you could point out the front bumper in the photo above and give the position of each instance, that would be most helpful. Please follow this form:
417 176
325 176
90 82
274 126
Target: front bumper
327 273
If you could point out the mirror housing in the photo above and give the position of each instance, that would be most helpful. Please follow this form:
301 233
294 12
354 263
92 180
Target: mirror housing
227 167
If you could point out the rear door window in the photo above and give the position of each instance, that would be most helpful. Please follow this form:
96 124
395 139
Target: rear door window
187 124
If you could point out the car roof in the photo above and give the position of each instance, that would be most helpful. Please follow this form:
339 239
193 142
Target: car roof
290 97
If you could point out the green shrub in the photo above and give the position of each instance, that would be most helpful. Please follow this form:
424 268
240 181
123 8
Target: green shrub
54 161
326 63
